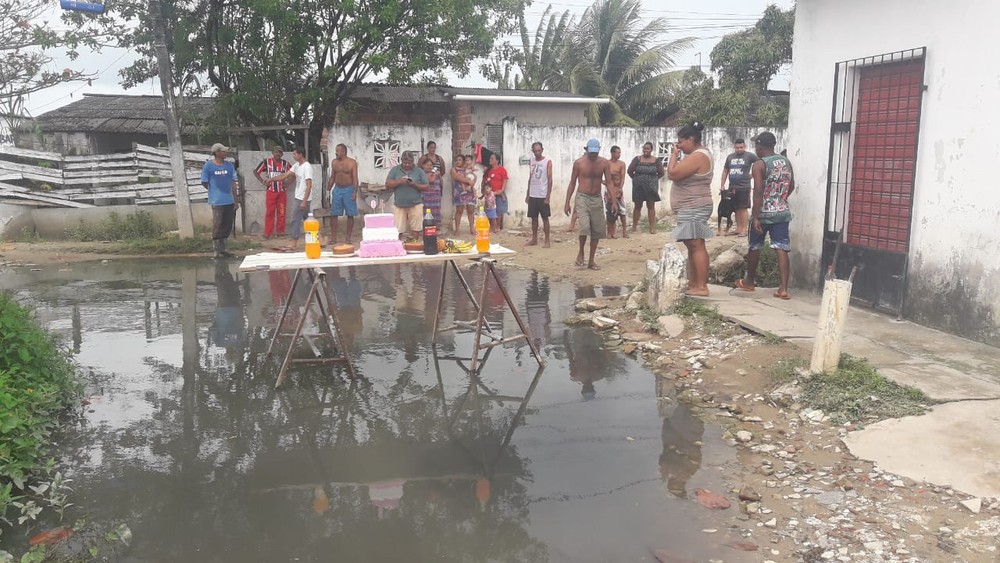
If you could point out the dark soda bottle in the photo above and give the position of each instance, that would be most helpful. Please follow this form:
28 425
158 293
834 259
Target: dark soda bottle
430 233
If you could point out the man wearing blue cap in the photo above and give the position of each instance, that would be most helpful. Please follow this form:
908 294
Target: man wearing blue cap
591 171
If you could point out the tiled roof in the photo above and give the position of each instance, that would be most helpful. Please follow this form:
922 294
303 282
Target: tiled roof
124 114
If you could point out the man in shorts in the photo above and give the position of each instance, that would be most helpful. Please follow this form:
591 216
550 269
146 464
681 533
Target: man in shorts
737 172
614 198
591 172
343 186
407 182
539 193
773 182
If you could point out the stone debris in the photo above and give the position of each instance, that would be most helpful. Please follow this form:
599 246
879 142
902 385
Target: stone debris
744 436
604 323
635 301
974 505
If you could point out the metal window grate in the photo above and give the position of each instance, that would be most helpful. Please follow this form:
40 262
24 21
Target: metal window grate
494 138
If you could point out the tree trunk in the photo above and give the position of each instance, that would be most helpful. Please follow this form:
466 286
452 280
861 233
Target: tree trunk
185 222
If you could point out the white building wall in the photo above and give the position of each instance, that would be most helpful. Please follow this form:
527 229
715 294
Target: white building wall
493 113
563 144
954 272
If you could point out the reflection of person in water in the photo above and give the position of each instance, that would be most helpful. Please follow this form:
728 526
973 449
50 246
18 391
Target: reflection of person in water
348 294
227 330
586 363
681 457
539 314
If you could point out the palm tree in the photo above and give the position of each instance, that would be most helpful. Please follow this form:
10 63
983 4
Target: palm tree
612 52
632 62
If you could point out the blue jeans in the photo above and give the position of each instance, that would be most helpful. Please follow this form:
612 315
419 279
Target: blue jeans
298 216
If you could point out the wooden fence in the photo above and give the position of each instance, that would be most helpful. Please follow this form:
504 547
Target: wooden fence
142 177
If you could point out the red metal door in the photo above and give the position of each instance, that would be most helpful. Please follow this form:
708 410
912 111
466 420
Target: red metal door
885 148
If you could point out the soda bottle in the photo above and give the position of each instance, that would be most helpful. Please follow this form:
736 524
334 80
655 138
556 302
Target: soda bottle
311 228
482 231
430 233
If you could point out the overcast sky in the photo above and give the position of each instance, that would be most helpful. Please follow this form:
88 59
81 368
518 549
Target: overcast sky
707 22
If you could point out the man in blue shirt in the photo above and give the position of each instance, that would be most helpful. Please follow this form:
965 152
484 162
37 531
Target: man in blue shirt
219 178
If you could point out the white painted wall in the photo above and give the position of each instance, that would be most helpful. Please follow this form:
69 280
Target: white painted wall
494 113
563 144
954 263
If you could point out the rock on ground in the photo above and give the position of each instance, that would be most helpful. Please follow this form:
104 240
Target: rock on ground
667 279
670 325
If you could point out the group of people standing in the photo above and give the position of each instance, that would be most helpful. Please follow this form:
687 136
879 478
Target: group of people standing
759 184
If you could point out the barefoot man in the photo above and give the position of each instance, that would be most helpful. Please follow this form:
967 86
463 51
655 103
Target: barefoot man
343 186
615 196
539 193
591 172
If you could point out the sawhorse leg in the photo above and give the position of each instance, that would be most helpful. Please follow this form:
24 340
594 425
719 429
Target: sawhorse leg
319 292
482 323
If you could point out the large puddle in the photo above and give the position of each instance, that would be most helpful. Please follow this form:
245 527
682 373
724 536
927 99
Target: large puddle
187 442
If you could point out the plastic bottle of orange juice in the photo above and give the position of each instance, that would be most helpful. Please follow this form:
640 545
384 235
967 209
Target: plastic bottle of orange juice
311 228
482 231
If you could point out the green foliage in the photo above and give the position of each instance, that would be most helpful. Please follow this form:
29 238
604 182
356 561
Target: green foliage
37 385
611 52
787 369
745 61
767 270
297 61
138 225
709 319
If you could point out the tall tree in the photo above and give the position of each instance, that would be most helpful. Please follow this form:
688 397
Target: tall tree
746 62
613 51
297 61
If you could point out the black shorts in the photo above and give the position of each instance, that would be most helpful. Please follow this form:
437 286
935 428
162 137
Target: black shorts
537 206
741 198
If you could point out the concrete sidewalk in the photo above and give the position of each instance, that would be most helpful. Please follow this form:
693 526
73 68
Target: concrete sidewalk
958 442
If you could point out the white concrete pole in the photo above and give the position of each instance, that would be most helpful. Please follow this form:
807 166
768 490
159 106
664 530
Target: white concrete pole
832 320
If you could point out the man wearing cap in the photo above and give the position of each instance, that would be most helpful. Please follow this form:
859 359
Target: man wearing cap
219 178
591 172
773 182
274 206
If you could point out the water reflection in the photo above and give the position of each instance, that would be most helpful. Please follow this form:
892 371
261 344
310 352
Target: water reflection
420 460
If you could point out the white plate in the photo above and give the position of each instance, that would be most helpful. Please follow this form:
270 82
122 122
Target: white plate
351 255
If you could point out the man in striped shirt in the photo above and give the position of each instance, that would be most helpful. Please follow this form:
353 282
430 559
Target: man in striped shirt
274 214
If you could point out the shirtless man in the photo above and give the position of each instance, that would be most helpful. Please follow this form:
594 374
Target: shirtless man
591 172
343 186
614 198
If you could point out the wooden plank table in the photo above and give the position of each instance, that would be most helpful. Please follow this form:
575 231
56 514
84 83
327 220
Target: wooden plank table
325 300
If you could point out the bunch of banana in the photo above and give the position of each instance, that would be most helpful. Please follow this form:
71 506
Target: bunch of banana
452 246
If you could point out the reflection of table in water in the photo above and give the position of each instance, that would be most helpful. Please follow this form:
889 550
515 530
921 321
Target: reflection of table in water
384 467
325 300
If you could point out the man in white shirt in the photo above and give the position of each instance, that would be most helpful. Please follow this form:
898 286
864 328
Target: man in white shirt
303 174
539 193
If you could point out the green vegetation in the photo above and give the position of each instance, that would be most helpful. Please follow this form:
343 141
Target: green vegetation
37 387
771 338
139 225
855 392
767 270
708 318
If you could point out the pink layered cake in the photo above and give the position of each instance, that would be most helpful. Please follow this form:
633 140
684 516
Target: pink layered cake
380 238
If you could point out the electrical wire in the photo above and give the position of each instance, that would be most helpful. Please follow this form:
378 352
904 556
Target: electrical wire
85 84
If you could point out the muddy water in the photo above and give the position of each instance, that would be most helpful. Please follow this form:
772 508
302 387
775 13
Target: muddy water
186 441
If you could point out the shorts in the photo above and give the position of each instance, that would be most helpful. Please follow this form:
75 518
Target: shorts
408 218
502 206
741 198
610 214
491 213
537 206
342 201
779 236
590 216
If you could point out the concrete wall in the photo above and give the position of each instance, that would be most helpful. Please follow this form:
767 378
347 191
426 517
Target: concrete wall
493 113
52 222
954 268
563 144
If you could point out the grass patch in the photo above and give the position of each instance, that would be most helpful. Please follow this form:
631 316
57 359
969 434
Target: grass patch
767 270
771 338
855 392
708 318
786 369
138 225
37 387
176 245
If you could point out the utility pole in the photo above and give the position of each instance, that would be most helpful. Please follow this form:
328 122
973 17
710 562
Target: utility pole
185 222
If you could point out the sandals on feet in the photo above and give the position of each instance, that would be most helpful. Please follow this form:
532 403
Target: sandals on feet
743 286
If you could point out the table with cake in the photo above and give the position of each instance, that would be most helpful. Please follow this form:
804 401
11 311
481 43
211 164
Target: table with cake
380 244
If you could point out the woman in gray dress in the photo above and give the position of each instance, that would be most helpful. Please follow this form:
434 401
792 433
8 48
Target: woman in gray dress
691 200
645 171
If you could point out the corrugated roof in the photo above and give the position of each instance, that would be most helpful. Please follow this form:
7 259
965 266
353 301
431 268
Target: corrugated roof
124 114
442 94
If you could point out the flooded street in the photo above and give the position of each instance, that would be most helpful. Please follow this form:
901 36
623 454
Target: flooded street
186 441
